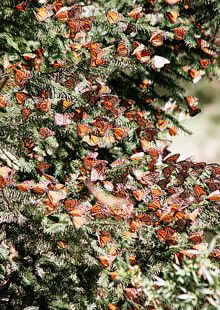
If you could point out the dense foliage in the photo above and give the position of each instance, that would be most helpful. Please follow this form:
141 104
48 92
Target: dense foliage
96 213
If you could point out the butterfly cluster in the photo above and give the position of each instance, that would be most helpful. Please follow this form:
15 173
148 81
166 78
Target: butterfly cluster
92 103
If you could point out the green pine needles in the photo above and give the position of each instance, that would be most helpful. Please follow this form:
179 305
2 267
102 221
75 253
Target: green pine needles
95 211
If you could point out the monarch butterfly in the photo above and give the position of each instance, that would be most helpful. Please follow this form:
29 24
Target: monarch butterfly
120 133
193 215
179 33
78 221
132 293
104 238
46 132
145 84
43 13
62 14
42 166
138 194
118 162
156 39
143 56
107 140
62 245
91 139
70 204
84 24
75 25
3 102
140 116
167 171
155 205
57 5
57 64
78 216
171 158
205 63
191 103
106 260
5 176
196 75
21 97
56 196
24 186
82 130
122 49
199 191
39 188
113 17
135 13
181 177
162 124
167 235
159 62
29 56
161 235
172 130
44 106
134 225
214 196
102 126
137 156
211 184
23 5
196 237
173 15
179 215
96 53
145 144
163 183
70 83
20 76
97 211
113 276
62 119
104 89
209 52
130 115
97 174
157 192
165 217
29 144
25 113
90 160
145 219
204 46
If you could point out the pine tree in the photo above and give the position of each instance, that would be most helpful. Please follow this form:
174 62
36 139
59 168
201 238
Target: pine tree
96 212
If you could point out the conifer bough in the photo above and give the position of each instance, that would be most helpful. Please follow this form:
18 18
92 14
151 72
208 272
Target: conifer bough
95 212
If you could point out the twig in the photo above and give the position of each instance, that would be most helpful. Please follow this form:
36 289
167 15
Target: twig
3 82
7 200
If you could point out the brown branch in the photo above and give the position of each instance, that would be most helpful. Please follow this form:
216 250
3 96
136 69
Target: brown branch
3 82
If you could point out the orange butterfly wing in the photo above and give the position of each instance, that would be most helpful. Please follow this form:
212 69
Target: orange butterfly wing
161 235
199 191
113 17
